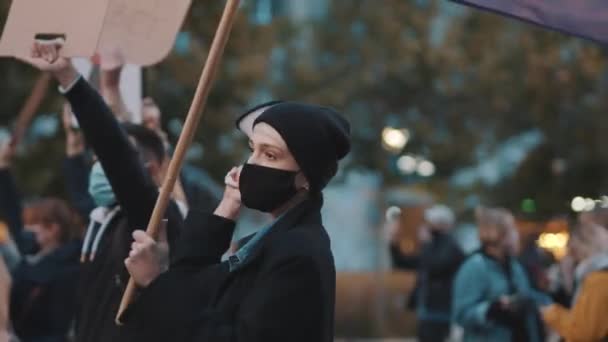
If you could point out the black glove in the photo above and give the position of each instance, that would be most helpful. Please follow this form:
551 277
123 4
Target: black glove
508 309
520 304
499 312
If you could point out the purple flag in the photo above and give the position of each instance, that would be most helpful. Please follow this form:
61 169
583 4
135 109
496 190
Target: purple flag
583 18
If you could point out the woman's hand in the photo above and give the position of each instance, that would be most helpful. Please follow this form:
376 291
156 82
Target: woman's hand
230 206
148 258
45 57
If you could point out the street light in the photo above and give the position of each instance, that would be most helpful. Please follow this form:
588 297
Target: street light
407 164
394 140
604 202
426 168
578 204
589 204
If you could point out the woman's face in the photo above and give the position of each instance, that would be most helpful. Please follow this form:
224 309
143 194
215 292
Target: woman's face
270 150
47 235
511 242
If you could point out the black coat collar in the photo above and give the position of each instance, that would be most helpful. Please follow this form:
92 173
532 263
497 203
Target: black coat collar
308 211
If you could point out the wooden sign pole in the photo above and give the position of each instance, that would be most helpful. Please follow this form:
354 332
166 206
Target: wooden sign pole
185 139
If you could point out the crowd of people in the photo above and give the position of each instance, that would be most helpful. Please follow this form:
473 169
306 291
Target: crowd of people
65 257
66 262
65 269
501 292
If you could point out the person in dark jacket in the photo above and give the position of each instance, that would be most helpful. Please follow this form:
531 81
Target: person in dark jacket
42 303
42 297
194 187
279 285
122 187
437 264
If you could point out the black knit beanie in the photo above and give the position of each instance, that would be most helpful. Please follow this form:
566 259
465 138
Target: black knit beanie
317 137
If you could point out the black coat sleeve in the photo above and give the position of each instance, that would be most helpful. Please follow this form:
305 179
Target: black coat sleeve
132 186
10 206
76 171
163 311
203 241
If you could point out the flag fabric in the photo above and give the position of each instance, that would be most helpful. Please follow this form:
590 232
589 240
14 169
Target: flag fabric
584 18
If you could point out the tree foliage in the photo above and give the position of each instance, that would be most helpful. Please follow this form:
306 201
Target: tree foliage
460 80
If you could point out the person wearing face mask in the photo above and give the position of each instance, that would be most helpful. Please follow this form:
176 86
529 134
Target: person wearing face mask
40 289
492 299
43 305
279 285
124 185
108 238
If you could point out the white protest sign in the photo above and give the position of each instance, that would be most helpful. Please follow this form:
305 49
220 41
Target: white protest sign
143 31
80 22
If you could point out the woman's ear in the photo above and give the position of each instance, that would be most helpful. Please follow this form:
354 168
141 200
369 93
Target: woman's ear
301 182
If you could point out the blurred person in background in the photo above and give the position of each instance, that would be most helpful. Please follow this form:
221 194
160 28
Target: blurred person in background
598 216
399 259
587 320
536 262
42 303
493 299
437 264
560 277
187 188
152 119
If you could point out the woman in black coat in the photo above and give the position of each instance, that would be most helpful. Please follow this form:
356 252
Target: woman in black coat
280 284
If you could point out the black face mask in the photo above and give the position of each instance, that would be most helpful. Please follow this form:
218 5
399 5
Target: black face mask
28 242
265 188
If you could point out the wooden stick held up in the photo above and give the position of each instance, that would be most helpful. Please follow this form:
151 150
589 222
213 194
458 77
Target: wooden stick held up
185 139
30 107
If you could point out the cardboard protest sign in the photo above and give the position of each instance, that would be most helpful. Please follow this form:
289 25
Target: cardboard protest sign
80 22
143 31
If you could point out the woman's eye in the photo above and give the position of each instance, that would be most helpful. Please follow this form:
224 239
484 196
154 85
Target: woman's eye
270 156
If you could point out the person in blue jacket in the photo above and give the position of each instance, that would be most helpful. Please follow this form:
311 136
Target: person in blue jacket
492 297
